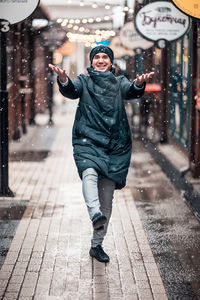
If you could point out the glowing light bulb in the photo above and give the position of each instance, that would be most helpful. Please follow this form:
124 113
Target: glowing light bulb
90 20
59 20
98 19
107 6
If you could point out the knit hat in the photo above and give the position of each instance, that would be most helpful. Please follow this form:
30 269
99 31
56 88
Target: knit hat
104 49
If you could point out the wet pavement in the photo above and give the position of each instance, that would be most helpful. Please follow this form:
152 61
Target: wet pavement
11 213
172 229
28 155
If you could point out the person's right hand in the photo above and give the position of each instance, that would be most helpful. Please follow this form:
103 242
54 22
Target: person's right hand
61 73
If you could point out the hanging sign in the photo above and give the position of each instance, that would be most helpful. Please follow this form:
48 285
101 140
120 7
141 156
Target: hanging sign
118 49
162 22
131 39
189 7
15 11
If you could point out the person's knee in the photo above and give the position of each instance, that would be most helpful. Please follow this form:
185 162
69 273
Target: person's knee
106 185
106 189
90 173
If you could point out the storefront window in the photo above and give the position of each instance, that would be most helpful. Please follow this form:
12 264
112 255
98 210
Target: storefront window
179 91
139 62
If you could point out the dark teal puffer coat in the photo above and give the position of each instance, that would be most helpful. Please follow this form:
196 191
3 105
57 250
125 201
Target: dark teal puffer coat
101 135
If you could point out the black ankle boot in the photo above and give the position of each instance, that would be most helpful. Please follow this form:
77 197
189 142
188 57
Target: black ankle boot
98 253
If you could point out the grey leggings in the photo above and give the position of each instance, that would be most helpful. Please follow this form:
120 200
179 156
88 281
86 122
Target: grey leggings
98 195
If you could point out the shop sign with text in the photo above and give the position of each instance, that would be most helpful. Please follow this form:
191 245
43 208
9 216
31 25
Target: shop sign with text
161 20
131 39
118 49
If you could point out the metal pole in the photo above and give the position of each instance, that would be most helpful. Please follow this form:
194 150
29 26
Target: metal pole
4 189
51 76
164 118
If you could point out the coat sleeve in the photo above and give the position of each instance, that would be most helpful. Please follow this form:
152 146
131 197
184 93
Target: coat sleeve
72 90
129 91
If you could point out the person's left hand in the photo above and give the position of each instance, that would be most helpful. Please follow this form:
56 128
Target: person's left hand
144 77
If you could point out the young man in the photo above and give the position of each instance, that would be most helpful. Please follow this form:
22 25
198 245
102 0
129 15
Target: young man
101 135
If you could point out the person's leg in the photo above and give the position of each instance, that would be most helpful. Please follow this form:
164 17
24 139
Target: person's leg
90 191
106 189
90 194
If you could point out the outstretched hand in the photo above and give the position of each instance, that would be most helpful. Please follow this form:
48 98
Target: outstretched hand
61 73
144 77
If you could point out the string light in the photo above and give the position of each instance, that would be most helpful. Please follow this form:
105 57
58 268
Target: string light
90 20
98 39
59 20
107 6
106 18
90 38
87 36
64 22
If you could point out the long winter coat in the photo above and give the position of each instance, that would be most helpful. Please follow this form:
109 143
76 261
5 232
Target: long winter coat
101 135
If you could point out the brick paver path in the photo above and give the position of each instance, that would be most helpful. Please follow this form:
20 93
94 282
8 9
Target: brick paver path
48 257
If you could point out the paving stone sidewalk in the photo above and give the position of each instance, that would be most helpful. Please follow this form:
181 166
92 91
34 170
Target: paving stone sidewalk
48 257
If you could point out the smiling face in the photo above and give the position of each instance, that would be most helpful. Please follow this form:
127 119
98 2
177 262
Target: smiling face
101 62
